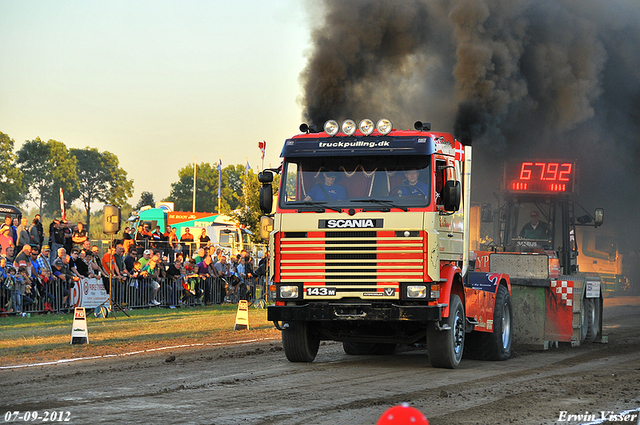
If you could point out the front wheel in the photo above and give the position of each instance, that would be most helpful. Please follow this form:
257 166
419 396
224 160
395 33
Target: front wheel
494 345
445 347
298 342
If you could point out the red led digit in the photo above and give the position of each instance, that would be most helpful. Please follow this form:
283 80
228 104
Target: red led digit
565 171
543 167
552 171
525 174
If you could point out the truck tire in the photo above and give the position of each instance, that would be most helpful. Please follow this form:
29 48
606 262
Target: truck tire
445 347
494 345
594 313
584 319
366 348
298 343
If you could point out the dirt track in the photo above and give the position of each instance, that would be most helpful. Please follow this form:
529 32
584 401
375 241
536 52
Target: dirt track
254 383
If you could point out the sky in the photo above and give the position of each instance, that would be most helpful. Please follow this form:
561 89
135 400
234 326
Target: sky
158 83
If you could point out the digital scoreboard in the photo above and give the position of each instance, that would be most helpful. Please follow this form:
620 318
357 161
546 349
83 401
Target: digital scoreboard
540 176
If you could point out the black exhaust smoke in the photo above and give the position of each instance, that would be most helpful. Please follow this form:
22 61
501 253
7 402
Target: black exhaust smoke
547 78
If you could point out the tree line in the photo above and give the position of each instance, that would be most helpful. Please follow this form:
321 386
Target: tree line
38 170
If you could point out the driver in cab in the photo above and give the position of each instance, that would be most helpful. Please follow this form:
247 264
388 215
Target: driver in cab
327 191
535 229
412 186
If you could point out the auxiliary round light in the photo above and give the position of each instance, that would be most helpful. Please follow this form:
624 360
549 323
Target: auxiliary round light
384 126
349 127
331 127
366 126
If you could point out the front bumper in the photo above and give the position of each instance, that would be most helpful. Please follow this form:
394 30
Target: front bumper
323 311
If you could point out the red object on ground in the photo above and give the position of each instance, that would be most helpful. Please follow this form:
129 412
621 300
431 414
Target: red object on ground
403 414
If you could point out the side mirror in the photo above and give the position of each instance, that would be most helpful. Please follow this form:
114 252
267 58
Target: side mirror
266 227
266 198
486 215
599 217
451 195
265 177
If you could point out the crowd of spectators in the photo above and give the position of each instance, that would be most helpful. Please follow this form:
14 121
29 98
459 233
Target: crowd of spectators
149 268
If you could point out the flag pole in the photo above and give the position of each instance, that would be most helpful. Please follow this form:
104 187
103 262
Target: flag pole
219 183
195 174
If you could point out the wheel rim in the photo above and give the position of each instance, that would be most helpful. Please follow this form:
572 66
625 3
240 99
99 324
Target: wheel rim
458 342
506 326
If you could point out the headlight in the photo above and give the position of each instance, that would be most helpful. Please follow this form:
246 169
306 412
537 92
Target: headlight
288 292
366 126
349 127
417 291
331 127
384 126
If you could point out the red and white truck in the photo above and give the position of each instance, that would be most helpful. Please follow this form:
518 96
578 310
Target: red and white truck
370 243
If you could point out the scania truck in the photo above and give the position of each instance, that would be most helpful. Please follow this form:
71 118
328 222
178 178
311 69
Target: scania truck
370 249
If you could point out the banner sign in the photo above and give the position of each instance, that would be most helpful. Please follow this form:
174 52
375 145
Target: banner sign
88 293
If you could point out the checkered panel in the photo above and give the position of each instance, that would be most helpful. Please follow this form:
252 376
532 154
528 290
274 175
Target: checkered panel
565 289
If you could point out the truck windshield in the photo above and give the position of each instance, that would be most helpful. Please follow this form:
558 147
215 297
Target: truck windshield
387 181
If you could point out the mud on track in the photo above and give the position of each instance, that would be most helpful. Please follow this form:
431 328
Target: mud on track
254 383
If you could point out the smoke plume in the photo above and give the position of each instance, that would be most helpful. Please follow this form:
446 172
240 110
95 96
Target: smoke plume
548 78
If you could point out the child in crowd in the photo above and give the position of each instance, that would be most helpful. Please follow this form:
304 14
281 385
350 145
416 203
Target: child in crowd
21 289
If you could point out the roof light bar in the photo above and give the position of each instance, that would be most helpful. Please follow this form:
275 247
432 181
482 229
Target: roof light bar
366 126
384 126
349 127
331 127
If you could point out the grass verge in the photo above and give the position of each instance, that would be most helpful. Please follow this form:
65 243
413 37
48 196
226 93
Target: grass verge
48 337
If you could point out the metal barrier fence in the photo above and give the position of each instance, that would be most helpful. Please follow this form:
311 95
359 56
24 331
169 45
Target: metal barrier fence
140 293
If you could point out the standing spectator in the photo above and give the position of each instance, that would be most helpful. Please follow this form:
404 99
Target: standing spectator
76 265
205 271
118 257
6 230
9 254
187 241
200 254
43 259
34 233
38 223
174 273
130 259
157 238
146 256
127 239
86 246
23 258
204 238
66 279
56 236
110 267
79 236
14 230
60 253
223 272
67 228
172 242
23 237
